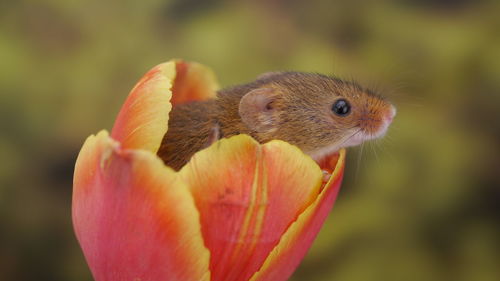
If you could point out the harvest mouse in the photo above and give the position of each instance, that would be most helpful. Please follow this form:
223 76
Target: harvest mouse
318 113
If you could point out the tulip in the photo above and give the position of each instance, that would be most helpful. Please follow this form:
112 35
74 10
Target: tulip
239 210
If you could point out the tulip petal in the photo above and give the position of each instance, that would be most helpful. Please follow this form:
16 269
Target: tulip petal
295 243
143 118
134 218
193 82
248 195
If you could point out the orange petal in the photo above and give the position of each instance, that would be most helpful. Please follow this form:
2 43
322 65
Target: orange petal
143 118
193 82
134 218
248 194
294 244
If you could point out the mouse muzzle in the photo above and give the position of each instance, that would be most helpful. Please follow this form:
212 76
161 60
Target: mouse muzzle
375 122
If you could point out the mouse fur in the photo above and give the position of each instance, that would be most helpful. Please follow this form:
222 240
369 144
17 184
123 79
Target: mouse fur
295 107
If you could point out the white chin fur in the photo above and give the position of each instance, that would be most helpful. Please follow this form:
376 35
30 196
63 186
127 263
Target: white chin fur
356 139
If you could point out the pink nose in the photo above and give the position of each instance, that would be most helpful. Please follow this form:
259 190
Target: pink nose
390 114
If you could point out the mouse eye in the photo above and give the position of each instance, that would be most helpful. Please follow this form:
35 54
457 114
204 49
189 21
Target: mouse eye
341 107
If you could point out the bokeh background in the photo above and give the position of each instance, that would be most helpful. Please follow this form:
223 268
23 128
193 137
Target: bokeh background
421 204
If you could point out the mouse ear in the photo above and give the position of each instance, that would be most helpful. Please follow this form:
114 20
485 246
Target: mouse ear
257 111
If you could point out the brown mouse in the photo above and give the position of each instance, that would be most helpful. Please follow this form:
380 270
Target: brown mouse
318 113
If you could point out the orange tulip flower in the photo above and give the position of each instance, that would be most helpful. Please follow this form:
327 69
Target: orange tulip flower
239 210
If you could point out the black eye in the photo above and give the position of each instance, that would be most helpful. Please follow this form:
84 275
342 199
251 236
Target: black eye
341 107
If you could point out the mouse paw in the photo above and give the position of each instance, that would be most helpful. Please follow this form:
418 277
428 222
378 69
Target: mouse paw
326 176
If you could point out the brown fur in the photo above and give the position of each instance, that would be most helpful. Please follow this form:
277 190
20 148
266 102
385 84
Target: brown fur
301 115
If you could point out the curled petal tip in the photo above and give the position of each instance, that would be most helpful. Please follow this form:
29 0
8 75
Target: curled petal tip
143 118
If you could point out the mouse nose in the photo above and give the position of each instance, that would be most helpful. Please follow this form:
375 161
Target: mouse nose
389 115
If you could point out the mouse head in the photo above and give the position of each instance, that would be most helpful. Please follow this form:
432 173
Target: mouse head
318 113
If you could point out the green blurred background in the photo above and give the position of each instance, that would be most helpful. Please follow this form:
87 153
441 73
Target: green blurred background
421 204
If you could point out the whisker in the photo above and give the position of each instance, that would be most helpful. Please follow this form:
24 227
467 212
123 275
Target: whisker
356 132
375 153
389 139
356 173
383 149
